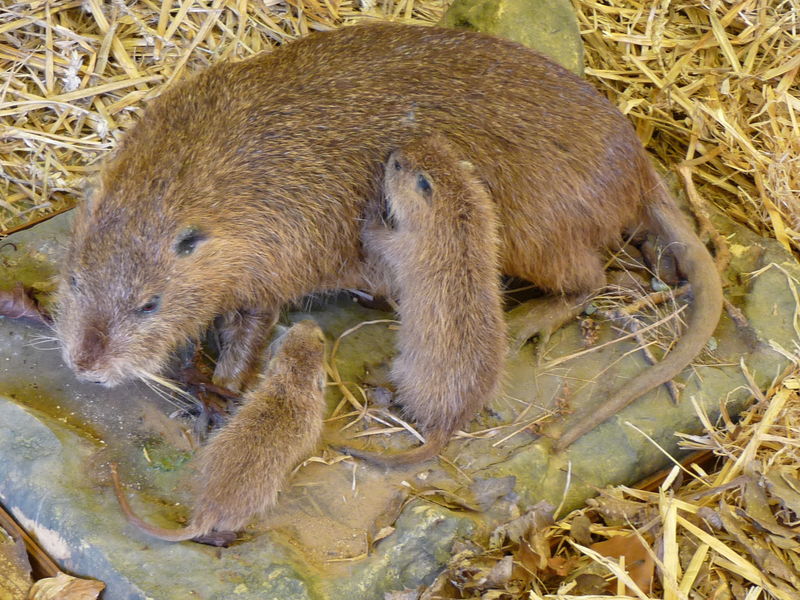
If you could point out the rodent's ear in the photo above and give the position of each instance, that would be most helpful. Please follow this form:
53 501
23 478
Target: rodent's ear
188 240
393 163
467 166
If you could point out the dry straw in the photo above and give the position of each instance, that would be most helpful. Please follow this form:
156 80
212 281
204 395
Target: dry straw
73 73
713 84
729 533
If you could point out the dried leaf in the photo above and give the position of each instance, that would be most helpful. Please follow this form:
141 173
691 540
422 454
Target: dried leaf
580 530
710 516
536 519
616 510
66 587
440 588
18 303
759 513
528 558
382 533
757 509
783 486
639 562
560 565
758 550
500 574
589 584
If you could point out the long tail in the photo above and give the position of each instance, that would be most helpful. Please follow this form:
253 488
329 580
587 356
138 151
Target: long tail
694 260
436 441
168 535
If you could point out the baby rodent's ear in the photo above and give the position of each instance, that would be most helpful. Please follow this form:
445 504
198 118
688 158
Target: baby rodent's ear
189 238
424 186
387 216
91 190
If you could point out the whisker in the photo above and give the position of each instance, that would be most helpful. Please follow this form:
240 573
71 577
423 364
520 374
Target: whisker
46 337
164 396
40 345
160 385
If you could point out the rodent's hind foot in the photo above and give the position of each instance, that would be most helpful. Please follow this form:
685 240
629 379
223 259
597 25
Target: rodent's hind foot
220 539
541 317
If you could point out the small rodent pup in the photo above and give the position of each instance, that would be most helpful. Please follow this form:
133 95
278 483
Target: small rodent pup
244 187
442 250
245 465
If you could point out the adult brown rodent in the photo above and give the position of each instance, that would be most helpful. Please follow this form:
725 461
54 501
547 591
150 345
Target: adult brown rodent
245 465
442 256
245 187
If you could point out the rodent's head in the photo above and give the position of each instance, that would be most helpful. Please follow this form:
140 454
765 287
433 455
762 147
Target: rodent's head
141 277
301 352
416 174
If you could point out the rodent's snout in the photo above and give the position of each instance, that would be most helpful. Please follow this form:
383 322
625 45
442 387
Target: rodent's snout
90 349
88 357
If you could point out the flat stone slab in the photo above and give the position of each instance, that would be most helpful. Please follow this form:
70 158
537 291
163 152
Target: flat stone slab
345 529
549 26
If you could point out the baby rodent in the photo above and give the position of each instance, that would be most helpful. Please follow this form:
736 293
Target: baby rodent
244 187
441 249
245 465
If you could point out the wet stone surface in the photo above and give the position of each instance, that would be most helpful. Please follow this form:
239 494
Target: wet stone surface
57 437
549 26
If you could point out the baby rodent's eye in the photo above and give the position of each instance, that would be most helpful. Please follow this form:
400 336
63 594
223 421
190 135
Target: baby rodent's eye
424 185
73 283
187 241
397 165
150 306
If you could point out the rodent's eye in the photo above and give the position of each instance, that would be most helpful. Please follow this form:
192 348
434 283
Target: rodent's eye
150 306
73 283
424 185
188 240
397 165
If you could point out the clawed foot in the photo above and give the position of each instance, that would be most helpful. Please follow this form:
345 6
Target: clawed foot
213 399
541 317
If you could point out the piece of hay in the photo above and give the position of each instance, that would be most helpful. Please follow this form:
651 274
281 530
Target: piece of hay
73 73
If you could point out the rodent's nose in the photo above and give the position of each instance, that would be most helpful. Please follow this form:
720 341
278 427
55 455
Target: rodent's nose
91 348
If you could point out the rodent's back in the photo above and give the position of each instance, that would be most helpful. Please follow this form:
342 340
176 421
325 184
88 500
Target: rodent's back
276 158
305 130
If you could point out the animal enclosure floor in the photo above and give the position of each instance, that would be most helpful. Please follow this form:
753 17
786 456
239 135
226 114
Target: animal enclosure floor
344 529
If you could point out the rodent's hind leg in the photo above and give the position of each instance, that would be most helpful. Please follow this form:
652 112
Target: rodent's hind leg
579 277
243 337
541 317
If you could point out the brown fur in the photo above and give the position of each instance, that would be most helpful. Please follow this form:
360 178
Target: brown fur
245 465
276 159
442 255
